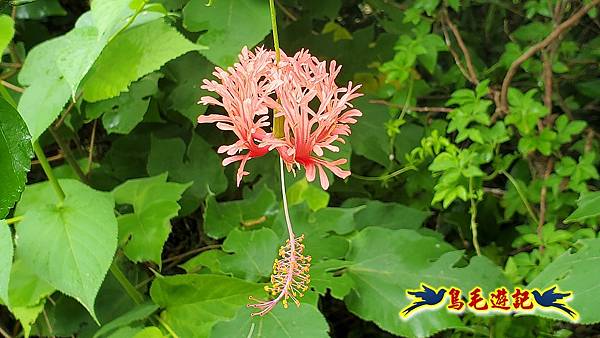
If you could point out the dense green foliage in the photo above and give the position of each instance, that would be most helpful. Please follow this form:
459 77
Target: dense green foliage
474 164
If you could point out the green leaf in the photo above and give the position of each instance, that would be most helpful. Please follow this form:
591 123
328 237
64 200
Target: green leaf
144 231
389 215
195 303
7 31
325 275
221 218
252 253
313 195
187 72
139 313
230 25
132 54
16 150
369 138
588 205
150 332
385 263
27 293
6 257
122 113
571 272
79 234
197 163
39 9
295 322
210 259
47 90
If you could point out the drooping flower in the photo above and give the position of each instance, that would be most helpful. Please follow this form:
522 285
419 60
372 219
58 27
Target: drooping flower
244 90
317 113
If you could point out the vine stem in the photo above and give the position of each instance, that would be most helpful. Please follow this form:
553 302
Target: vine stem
14 220
131 291
386 176
521 195
277 120
39 152
473 212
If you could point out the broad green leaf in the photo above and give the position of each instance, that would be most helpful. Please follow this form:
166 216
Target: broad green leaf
252 253
387 215
132 54
7 31
6 258
195 303
326 275
144 231
313 195
140 312
295 322
188 71
197 163
230 25
322 230
385 263
122 113
80 237
369 138
257 210
47 90
150 332
15 147
210 259
38 9
572 271
27 294
588 205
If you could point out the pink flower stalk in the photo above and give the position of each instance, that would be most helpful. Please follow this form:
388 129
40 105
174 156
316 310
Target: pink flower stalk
316 114
244 89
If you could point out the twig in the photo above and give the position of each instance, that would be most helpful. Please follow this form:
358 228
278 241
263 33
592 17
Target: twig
10 64
473 211
455 56
547 76
66 150
12 86
56 157
286 11
543 193
191 252
67 111
461 44
91 150
521 195
555 34
4 333
414 109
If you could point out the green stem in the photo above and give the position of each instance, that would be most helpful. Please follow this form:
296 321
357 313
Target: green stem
521 195
131 19
167 327
407 99
64 146
14 220
39 152
131 291
387 176
278 121
6 95
473 212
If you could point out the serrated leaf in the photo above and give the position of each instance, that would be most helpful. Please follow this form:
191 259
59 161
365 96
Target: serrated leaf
7 31
221 218
187 71
140 312
122 113
251 253
15 147
385 263
6 258
144 231
588 205
197 163
27 293
195 303
80 235
132 54
230 25
295 322
571 271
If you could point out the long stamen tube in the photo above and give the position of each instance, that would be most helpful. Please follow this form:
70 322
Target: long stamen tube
290 278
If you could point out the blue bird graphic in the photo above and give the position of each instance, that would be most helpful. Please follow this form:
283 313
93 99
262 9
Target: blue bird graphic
550 298
423 297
